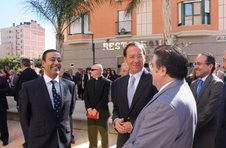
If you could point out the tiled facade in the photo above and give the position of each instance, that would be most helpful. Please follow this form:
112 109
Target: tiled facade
25 40
197 26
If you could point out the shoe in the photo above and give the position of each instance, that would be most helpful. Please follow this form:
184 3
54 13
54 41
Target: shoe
5 143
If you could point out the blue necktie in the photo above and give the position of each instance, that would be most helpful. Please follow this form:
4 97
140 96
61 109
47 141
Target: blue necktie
56 99
131 90
200 82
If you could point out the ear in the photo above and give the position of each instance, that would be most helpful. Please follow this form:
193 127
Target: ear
162 70
43 64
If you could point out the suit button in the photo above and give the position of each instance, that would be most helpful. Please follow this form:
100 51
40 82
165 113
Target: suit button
128 118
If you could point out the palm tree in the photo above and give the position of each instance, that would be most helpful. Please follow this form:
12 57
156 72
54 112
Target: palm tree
166 17
61 13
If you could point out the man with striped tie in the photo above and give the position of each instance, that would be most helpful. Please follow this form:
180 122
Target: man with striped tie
46 105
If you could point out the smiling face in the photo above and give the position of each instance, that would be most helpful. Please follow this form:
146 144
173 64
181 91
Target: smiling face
135 59
52 64
202 67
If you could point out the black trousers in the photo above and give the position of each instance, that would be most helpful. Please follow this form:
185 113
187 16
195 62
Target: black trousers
100 125
3 126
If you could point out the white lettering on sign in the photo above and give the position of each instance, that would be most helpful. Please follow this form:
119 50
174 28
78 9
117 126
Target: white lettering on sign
121 45
221 38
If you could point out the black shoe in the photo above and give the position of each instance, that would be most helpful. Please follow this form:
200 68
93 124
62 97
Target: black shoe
5 143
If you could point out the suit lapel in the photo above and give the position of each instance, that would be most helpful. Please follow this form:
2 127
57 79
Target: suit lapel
45 93
125 89
140 87
205 85
63 92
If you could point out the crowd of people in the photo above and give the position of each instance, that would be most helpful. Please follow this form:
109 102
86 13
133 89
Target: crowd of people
160 108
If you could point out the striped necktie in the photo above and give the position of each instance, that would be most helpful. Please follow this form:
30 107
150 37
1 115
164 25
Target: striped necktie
56 99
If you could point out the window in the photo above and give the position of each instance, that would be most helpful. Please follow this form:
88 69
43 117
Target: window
193 12
124 22
80 25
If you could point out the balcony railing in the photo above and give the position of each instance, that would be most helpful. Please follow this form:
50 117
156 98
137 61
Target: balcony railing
123 27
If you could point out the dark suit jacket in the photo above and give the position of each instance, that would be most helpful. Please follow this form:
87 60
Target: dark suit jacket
209 110
221 134
144 92
37 113
27 75
4 89
96 94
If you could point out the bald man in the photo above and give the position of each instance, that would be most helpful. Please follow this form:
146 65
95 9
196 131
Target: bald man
96 101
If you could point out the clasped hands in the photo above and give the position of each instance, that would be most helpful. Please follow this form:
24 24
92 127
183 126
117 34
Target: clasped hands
91 111
123 127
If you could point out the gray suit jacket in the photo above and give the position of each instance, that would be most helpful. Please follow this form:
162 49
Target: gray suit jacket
38 115
167 121
144 92
209 109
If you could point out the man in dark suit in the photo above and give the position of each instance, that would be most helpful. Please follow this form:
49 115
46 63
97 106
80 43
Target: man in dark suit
27 74
96 98
127 103
221 134
207 92
169 119
46 105
4 89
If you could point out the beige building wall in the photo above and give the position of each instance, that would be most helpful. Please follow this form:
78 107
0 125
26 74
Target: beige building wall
25 40
222 14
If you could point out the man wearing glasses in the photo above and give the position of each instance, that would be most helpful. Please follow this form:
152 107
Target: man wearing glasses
207 92
96 96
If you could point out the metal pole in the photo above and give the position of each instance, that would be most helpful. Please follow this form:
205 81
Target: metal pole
93 49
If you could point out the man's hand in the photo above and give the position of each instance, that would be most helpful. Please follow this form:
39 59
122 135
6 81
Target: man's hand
89 110
119 125
94 112
128 126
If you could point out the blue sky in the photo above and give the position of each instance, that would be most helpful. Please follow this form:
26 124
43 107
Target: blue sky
13 11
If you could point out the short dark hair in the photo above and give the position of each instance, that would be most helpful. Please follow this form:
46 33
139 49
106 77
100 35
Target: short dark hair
210 59
25 62
47 51
137 44
174 59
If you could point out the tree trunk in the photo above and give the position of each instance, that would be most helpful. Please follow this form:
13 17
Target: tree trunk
167 26
59 43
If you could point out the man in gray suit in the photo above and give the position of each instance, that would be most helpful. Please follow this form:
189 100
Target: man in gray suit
47 104
207 90
169 119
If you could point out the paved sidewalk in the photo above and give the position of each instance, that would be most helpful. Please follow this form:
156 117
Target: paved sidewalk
16 137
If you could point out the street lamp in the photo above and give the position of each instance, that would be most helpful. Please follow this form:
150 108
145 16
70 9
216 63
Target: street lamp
93 45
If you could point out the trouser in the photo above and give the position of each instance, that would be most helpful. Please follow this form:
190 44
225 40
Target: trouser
3 126
98 125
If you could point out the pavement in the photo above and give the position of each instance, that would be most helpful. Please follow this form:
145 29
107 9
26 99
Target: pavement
79 127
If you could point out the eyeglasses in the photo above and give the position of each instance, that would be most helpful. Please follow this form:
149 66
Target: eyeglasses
94 69
200 63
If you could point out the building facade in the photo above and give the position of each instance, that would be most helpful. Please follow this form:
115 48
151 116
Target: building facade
197 26
24 40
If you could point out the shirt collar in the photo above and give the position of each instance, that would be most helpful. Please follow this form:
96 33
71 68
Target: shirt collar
204 78
138 74
48 79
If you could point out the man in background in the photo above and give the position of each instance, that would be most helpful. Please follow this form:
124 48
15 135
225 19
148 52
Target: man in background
96 98
207 90
27 74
